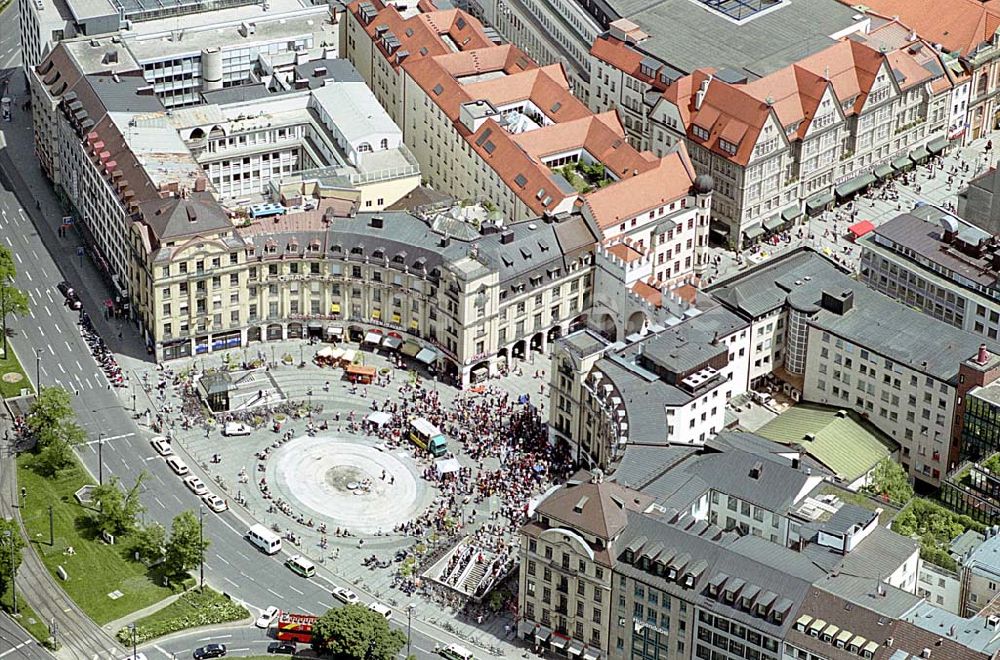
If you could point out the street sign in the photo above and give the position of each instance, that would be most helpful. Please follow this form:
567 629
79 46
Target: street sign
67 220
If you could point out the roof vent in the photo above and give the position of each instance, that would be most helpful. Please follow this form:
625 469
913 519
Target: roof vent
377 222
507 237
192 214
756 470
578 507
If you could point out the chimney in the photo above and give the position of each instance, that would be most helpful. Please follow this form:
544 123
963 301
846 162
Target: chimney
377 222
445 241
983 356
200 184
507 237
756 470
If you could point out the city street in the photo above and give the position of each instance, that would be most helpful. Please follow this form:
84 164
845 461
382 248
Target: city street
49 342
17 644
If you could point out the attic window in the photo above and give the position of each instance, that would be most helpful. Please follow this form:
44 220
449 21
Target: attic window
525 253
728 147
292 246
540 193
489 146
699 132
270 246
543 246
314 245
460 23
336 248
438 89
423 50
555 107
399 258
378 253
357 249
521 180
409 32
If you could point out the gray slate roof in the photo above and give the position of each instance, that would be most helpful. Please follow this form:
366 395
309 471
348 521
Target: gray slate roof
729 472
876 322
679 30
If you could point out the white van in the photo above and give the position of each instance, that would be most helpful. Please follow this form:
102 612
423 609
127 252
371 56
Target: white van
265 540
233 429
379 608
457 652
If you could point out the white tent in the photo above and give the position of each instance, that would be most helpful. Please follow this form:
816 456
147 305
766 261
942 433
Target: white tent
325 352
446 465
379 418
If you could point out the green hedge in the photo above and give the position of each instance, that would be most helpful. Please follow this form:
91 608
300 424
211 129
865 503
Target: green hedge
191 610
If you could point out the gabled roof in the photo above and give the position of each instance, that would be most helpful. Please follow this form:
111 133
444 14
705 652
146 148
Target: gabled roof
958 25
669 180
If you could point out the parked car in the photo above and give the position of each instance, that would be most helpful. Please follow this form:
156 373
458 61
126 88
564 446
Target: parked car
214 502
281 647
72 300
267 617
162 446
345 595
177 465
235 428
196 485
381 609
209 651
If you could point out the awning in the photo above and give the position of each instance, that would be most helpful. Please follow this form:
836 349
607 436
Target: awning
542 634
919 154
559 641
337 354
525 628
591 654
335 308
447 465
334 330
378 418
819 202
791 213
901 163
349 355
937 145
427 356
373 337
883 172
355 329
325 352
773 224
360 370
575 648
392 343
859 229
314 325
854 186
754 232
410 349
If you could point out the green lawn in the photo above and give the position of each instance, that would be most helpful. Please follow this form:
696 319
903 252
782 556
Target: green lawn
10 365
191 610
27 617
95 569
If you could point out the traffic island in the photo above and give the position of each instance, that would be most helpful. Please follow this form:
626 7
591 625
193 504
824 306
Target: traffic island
13 380
102 579
191 610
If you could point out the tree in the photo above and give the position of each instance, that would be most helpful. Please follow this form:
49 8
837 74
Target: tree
54 456
354 631
184 548
50 410
889 480
150 542
12 300
119 510
11 545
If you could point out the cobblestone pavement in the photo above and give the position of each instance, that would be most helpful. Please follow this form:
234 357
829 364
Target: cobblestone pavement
827 231
310 490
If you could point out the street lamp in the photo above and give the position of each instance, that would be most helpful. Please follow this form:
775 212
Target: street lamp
38 370
201 545
100 458
409 620
135 654
9 539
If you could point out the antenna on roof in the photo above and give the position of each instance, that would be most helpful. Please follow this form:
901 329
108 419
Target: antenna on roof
826 73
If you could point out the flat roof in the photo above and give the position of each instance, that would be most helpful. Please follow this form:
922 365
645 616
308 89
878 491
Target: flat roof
84 9
679 30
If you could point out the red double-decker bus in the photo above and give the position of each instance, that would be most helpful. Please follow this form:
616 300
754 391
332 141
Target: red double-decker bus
296 627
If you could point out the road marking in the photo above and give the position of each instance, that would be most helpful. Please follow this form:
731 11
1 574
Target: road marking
306 610
150 458
68 346
246 649
231 582
28 275
49 295
163 651
48 310
324 605
179 500
208 639
21 645
78 365
223 559
61 368
114 437
42 332
34 254
275 593
157 499
18 255
8 241
301 593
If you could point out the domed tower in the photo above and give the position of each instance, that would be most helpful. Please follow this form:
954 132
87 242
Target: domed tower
702 188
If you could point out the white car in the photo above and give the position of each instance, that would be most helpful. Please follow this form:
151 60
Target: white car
196 485
177 465
235 428
214 502
345 595
381 609
162 446
267 617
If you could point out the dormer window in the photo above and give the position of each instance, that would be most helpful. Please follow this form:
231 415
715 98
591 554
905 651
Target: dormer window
699 132
727 146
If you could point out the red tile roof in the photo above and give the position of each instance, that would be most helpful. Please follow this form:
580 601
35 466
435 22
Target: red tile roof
958 25
624 58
